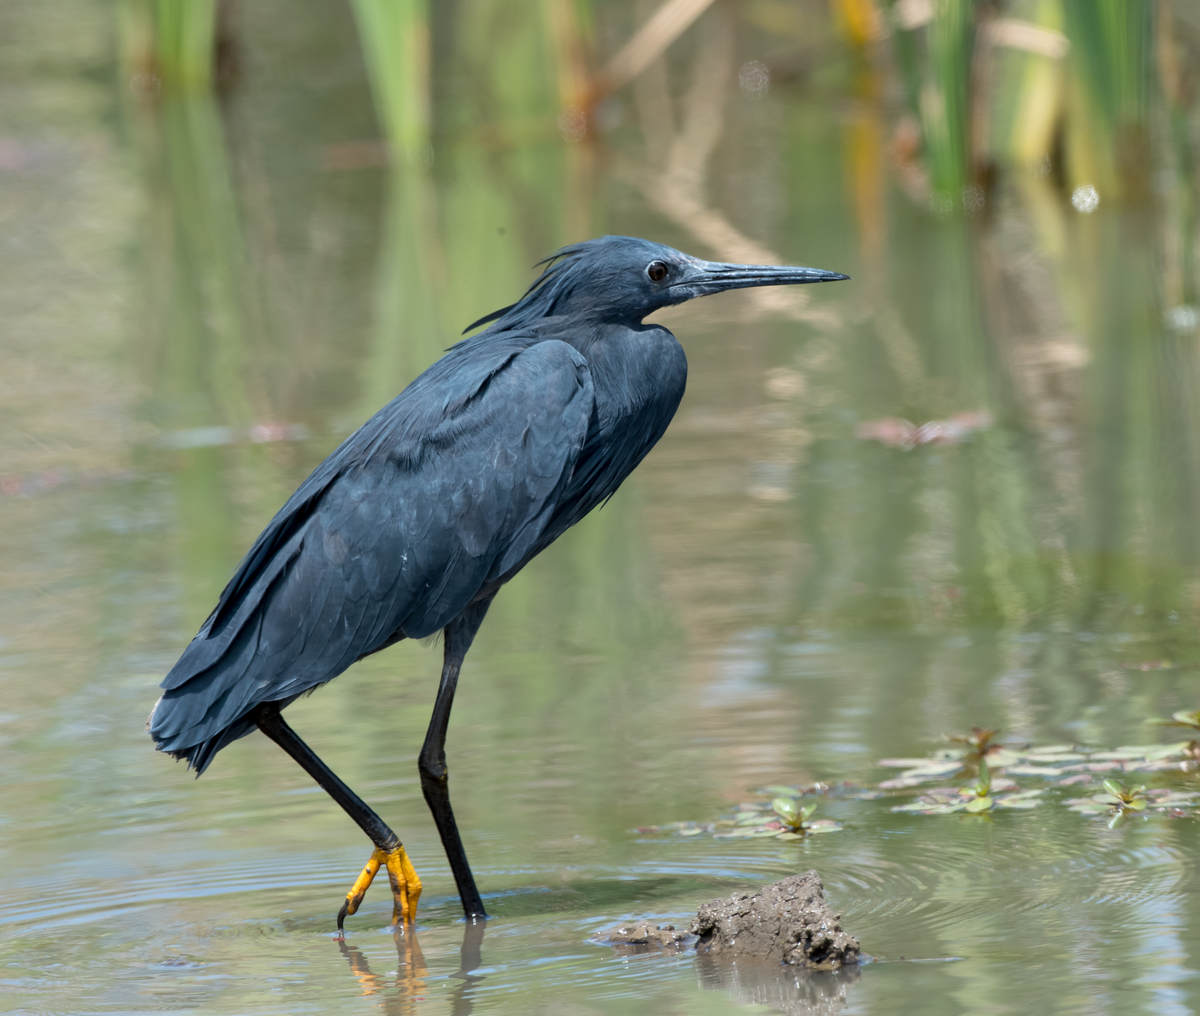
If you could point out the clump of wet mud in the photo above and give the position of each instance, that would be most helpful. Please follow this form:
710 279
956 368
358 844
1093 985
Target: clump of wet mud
787 922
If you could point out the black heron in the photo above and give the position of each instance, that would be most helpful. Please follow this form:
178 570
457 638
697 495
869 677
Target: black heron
418 518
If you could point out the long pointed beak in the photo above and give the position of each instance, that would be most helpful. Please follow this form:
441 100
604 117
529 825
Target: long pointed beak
704 277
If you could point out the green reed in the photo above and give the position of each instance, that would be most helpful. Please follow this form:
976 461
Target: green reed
175 41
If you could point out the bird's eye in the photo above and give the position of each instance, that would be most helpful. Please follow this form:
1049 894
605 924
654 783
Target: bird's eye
657 271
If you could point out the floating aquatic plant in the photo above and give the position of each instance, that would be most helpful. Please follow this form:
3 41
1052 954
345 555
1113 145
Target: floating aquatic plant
996 768
792 813
1183 718
779 814
1191 720
975 774
971 752
984 794
1120 802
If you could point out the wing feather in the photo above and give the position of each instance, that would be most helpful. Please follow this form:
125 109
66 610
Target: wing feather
441 496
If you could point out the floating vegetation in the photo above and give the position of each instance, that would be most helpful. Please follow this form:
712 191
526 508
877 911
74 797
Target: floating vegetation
779 815
1119 802
983 795
794 815
1191 720
974 774
1183 718
1061 763
992 770
945 800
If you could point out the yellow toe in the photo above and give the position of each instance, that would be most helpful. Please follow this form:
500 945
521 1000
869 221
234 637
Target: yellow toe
406 886
361 884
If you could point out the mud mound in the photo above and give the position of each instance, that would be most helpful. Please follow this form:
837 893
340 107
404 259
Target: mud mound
788 921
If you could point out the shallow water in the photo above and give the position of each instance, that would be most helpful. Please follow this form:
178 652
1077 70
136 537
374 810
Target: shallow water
200 301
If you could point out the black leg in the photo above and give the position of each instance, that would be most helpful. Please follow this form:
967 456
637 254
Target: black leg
271 723
432 760
389 852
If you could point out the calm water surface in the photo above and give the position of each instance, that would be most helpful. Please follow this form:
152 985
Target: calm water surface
199 301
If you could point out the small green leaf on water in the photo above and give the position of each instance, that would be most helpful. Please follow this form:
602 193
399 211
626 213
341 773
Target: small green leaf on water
904 763
1020 803
916 807
902 783
1158 752
926 772
928 807
1090 806
978 804
786 808
1026 769
1024 799
1114 787
1055 753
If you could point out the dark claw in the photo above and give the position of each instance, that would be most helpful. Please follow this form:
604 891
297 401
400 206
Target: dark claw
341 917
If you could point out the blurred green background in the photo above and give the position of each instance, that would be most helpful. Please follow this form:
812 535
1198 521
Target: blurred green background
960 489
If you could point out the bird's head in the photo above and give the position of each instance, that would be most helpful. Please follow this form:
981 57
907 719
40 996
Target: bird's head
621 279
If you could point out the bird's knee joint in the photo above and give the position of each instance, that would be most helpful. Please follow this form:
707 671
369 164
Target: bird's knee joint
433 770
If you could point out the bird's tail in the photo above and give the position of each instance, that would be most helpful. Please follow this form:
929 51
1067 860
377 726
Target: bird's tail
198 756
206 703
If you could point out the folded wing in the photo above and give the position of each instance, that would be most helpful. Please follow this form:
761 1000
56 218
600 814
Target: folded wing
442 494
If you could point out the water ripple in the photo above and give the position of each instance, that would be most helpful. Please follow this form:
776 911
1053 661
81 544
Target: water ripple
990 881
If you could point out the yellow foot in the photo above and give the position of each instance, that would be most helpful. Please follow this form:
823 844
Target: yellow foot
406 886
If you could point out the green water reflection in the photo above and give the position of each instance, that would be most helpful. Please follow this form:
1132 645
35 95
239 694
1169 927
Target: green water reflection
202 295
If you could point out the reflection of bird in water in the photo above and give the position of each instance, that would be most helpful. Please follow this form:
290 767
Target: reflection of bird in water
411 971
415 522
400 998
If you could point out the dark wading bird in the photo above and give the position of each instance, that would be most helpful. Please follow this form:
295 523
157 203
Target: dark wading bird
419 517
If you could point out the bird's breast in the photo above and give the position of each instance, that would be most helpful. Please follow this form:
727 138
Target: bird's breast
639 377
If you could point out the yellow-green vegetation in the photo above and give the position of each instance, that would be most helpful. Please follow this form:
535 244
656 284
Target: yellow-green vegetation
1059 87
171 42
